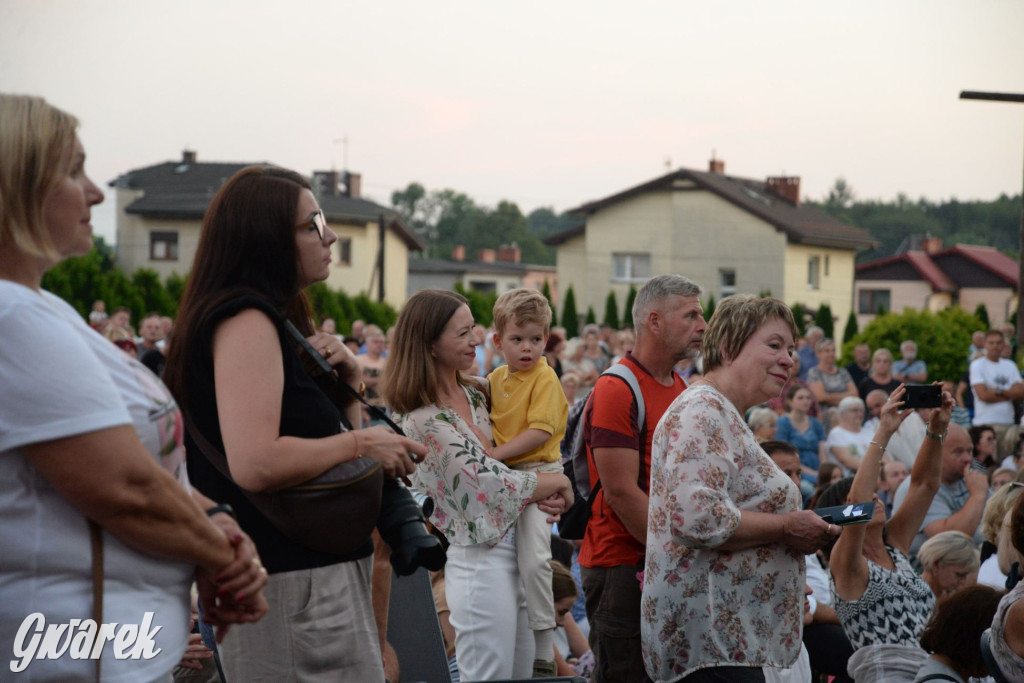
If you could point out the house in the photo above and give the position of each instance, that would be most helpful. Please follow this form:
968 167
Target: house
160 210
493 271
731 235
924 276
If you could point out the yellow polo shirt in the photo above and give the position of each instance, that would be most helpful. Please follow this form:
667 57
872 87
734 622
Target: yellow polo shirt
528 399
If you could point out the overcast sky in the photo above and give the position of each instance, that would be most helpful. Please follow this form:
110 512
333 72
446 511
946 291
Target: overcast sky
543 103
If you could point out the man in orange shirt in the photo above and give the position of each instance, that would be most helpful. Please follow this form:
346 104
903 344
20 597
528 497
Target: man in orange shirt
669 324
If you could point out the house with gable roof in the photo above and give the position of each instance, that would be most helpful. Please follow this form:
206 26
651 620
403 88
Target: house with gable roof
731 235
160 210
924 276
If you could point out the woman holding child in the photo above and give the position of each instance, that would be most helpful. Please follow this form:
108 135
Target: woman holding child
478 498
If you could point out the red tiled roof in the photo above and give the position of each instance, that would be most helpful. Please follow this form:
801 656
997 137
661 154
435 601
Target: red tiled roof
989 258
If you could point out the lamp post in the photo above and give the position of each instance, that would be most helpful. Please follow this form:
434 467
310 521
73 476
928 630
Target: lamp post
1018 98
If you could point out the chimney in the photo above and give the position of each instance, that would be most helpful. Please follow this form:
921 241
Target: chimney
785 186
509 253
931 245
716 166
188 156
325 183
485 256
353 184
459 252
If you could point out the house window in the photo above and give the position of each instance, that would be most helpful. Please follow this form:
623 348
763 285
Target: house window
631 267
163 246
726 283
344 251
483 287
826 265
814 272
869 300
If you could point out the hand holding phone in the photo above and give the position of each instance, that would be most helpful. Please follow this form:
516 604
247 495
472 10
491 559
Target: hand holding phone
922 396
852 513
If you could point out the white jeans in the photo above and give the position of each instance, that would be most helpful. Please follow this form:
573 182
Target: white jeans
493 639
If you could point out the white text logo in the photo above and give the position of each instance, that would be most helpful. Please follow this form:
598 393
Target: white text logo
81 639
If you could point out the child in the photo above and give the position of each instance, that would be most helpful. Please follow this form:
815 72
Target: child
528 413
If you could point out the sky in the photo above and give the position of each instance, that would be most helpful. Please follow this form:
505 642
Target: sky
543 103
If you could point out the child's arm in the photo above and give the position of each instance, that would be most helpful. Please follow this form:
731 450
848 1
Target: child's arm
524 443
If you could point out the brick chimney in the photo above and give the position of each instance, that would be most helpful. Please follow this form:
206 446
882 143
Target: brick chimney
353 184
485 256
509 253
325 183
785 186
459 252
188 156
931 245
716 166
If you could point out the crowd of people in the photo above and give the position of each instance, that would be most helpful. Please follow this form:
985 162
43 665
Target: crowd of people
145 488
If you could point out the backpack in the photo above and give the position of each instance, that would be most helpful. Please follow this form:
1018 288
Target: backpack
573 524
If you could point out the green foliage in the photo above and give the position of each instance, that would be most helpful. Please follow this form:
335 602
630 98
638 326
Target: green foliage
570 317
591 318
800 316
627 311
154 295
175 289
709 307
823 319
546 291
942 338
480 304
611 311
851 329
981 313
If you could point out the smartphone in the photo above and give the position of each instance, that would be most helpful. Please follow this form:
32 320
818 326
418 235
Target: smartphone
923 396
854 513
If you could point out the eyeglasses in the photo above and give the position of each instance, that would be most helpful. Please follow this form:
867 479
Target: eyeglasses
320 223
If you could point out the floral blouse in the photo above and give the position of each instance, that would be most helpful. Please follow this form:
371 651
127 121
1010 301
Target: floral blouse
476 498
703 607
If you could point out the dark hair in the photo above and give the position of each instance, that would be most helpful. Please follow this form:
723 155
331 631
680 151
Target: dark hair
554 339
1017 524
776 446
956 625
976 432
833 495
246 246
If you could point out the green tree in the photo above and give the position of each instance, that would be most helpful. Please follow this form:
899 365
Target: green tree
981 313
153 293
627 310
851 329
546 291
800 318
709 307
480 305
591 318
823 319
611 311
175 285
570 317
941 338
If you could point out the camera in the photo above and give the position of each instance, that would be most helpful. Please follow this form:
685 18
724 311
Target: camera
402 524
922 396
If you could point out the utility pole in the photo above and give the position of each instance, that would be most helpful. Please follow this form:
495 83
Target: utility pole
1019 99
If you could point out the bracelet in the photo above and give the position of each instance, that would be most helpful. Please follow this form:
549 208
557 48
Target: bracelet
356 439
223 507
881 448
938 437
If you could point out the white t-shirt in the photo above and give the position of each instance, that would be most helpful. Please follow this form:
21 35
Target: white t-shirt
857 442
1002 374
60 379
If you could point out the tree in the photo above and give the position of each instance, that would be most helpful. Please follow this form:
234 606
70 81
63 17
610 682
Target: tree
153 293
611 311
591 318
850 331
823 319
546 291
799 318
709 307
627 311
480 305
981 313
570 318
841 195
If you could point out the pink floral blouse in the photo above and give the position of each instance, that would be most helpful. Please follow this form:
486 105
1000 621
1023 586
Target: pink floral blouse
703 607
476 498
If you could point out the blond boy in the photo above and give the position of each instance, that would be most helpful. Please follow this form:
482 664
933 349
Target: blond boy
528 413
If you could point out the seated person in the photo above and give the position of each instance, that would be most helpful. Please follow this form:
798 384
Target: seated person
949 562
953 633
1007 636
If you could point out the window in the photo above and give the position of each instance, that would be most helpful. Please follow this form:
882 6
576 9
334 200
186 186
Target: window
814 272
826 265
344 251
726 283
163 246
631 267
869 301
483 287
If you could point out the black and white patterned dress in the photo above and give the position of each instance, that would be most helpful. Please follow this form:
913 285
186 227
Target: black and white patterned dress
894 608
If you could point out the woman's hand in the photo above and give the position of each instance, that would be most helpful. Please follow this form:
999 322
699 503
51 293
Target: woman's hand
891 416
805 531
246 574
938 423
396 454
554 505
339 356
195 653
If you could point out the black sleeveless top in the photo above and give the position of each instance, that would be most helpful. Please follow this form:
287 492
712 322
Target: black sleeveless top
306 412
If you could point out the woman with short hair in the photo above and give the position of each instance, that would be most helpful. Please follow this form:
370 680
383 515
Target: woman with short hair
949 562
848 439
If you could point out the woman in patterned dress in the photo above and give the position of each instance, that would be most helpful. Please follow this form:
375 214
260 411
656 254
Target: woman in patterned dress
881 601
477 499
724 576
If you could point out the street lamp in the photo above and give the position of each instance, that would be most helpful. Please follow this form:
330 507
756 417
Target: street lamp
1018 98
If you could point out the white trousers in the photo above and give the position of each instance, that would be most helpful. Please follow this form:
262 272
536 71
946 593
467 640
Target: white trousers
493 639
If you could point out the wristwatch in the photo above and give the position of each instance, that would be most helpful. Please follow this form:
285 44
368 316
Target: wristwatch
999 392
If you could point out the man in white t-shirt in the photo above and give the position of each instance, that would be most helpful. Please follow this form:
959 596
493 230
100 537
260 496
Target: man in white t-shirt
996 384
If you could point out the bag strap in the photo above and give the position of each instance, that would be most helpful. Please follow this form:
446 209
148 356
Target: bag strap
96 540
937 677
626 375
322 363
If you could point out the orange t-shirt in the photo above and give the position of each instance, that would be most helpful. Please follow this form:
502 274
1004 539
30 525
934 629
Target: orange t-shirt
607 423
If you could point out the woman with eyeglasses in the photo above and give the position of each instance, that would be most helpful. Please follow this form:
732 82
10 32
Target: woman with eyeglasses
984 439
97 518
236 370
